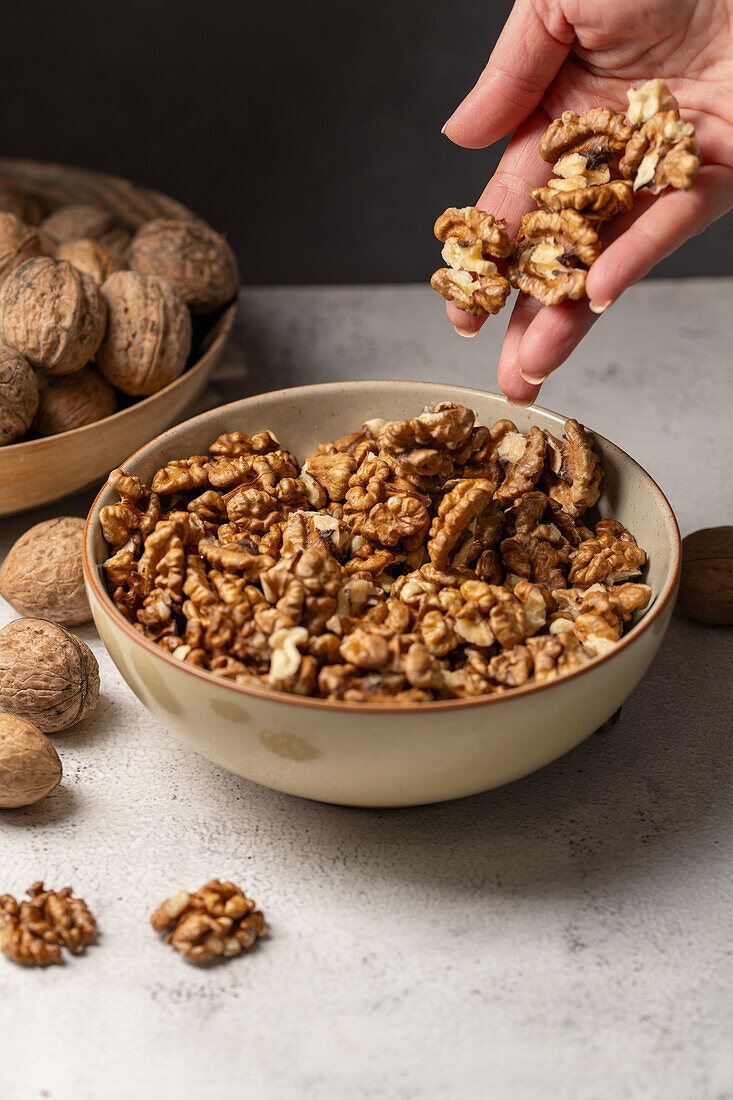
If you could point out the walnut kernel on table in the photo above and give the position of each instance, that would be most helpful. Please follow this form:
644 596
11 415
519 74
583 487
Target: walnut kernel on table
29 764
411 560
73 401
148 338
47 675
18 243
192 255
18 395
217 921
53 314
42 574
33 932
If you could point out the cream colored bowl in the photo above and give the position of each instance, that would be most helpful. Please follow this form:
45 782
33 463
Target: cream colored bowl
370 755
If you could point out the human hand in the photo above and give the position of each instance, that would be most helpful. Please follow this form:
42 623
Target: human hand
556 55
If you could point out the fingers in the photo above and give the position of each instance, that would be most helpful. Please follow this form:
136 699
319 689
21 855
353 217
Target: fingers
528 54
669 222
507 195
550 338
516 388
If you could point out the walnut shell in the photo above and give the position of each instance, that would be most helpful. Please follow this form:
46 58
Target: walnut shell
706 584
47 675
16 200
148 336
42 573
52 314
90 256
195 257
84 219
70 402
18 395
18 243
29 764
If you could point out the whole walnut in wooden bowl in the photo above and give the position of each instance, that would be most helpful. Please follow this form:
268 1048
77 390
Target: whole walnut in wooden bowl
53 314
196 258
148 336
18 394
83 222
92 257
73 401
18 243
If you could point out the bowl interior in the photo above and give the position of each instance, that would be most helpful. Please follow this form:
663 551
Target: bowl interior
307 415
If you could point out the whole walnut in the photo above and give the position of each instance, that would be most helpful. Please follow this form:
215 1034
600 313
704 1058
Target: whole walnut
16 200
92 257
84 219
18 243
148 336
197 259
706 583
52 314
18 395
74 400
42 573
29 764
47 675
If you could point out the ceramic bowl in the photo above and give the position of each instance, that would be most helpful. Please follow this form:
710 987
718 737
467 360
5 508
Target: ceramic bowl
367 755
51 468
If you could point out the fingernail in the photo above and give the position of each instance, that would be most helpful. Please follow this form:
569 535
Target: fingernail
533 379
598 307
521 402
443 130
467 335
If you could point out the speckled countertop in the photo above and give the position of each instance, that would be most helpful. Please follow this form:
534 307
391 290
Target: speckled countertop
566 936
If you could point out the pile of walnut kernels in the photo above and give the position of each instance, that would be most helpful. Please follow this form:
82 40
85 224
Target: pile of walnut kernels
414 560
558 242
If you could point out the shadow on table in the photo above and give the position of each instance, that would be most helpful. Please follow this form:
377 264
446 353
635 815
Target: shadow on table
650 790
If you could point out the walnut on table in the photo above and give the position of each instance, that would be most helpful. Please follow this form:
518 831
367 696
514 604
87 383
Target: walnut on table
42 574
33 932
471 279
216 922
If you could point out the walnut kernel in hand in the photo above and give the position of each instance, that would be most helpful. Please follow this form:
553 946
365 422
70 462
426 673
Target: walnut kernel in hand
472 280
552 255
663 153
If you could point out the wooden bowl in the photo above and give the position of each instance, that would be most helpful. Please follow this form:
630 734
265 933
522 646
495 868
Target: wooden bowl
38 471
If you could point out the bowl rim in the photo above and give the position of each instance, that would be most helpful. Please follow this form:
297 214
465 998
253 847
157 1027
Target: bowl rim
659 603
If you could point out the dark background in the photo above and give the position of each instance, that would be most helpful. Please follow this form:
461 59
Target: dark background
307 130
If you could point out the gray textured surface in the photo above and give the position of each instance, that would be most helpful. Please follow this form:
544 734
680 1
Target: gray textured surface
568 935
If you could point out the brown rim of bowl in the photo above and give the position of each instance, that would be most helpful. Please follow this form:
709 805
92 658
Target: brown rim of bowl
226 320
659 603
